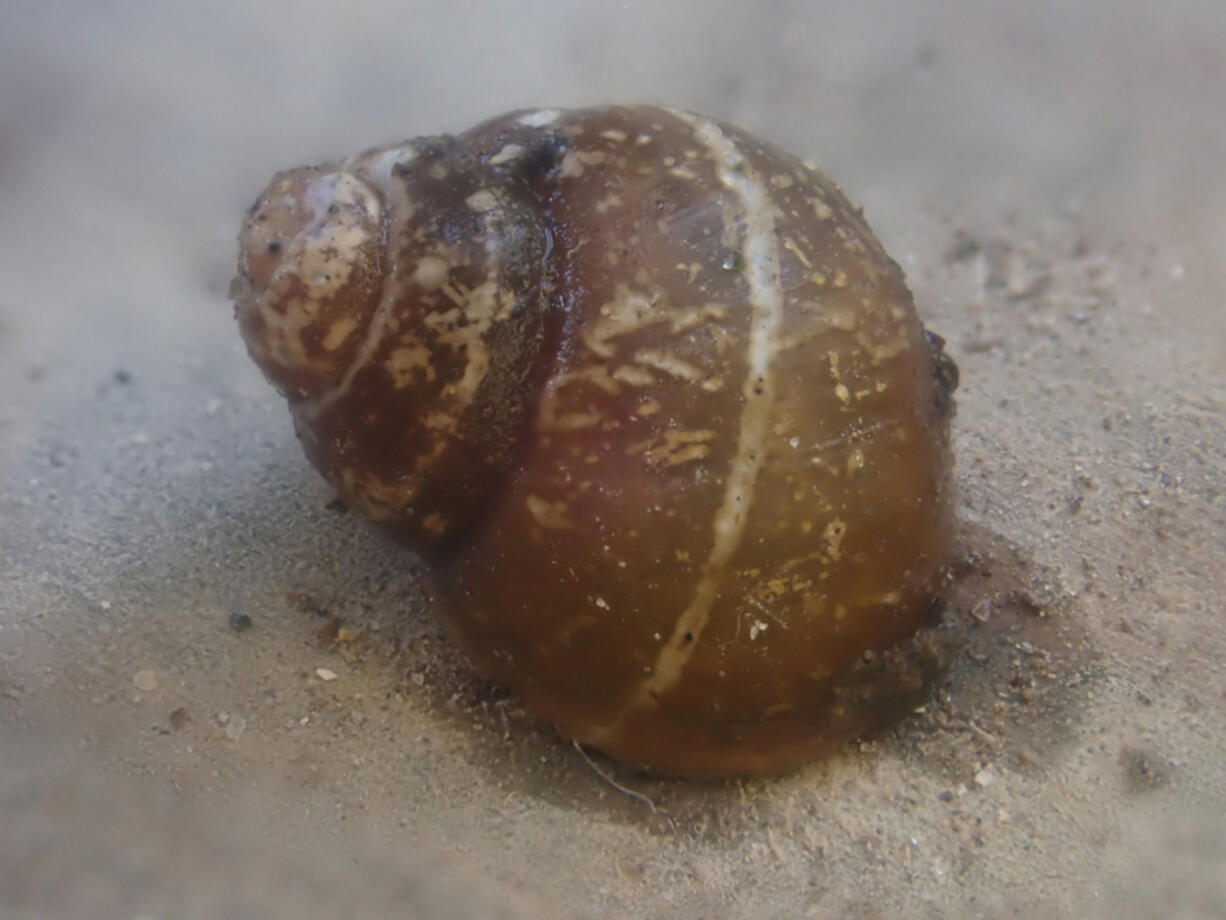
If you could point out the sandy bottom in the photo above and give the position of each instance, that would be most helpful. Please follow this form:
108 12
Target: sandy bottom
1050 177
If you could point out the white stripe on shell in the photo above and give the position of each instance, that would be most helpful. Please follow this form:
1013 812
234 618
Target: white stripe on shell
760 268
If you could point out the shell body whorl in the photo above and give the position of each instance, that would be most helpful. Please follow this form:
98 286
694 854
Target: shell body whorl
657 405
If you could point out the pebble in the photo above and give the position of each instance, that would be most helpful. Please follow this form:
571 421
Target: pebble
240 622
325 674
146 681
982 611
235 726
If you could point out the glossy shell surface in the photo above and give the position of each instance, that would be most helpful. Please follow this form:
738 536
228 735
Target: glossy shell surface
656 404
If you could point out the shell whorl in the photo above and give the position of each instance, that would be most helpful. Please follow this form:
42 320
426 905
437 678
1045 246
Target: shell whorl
311 259
396 299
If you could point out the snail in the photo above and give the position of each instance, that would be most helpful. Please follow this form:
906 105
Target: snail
653 403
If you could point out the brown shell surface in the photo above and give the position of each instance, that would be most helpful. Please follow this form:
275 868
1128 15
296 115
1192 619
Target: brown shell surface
657 405
422 417
736 482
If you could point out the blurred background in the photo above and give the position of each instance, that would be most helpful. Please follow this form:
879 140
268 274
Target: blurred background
1049 175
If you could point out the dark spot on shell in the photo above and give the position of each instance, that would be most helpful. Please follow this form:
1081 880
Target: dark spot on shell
433 148
274 247
543 156
945 371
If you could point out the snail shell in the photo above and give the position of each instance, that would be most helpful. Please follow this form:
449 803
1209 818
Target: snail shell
654 402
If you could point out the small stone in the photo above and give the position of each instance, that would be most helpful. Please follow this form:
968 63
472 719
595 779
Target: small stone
1144 769
304 602
345 634
240 622
146 681
329 632
105 605
235 727
984 778
325 674
179 718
